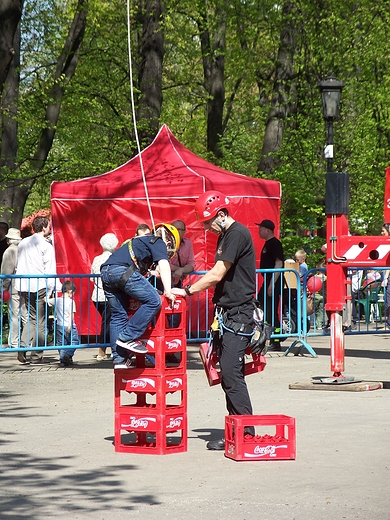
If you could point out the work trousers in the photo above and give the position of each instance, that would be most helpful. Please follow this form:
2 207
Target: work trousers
230 349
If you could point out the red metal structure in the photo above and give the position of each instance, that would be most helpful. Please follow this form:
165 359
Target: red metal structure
345 251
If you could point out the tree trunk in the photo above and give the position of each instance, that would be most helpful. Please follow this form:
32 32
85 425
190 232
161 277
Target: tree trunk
10 14
280 103
150 72
14 191
13 197
213 56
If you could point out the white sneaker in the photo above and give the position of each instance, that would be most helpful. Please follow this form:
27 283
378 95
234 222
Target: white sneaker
134 346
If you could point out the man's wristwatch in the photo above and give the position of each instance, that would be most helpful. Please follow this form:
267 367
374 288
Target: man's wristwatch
187 290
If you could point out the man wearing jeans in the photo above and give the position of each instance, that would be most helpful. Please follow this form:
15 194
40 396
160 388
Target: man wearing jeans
35 257
123 277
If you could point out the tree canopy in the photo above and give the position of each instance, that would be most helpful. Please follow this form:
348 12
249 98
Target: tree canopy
235 81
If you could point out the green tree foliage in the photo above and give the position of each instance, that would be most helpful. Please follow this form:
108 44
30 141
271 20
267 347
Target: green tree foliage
274 54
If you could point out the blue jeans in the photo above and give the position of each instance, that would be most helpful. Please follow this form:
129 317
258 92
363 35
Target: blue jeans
65 338
121 326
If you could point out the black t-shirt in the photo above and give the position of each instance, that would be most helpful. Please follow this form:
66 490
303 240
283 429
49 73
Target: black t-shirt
148 250
238 286
272 250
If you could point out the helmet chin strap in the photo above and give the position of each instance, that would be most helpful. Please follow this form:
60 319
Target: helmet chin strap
222 224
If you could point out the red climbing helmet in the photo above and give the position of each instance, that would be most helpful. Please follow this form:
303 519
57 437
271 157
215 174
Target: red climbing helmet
208 205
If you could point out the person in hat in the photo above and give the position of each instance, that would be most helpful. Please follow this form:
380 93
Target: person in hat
8 266
233 277
123 277
271 257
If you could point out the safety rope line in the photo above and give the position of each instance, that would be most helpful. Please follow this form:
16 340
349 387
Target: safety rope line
134 117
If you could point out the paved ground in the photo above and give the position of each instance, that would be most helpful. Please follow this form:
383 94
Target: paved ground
58 459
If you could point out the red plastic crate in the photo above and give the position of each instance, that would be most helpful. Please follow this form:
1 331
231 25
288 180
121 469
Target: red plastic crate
278 444
160 324
160 347
145 432
151 401
135 391
210 362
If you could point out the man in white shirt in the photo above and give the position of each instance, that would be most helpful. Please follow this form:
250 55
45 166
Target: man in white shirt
35 257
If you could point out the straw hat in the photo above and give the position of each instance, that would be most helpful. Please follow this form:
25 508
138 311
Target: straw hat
13 233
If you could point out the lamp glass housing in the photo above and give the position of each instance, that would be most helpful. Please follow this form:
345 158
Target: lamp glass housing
331 93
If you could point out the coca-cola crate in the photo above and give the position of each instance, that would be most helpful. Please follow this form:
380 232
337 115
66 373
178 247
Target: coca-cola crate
145 432
136 391
210 362
277 444
164 319
166 353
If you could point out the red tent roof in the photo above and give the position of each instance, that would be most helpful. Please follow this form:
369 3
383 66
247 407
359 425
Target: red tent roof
168 166
86 209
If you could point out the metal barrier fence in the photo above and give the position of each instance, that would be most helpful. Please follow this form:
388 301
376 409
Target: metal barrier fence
287 309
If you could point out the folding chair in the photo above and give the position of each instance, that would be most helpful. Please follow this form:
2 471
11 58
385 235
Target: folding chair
371 300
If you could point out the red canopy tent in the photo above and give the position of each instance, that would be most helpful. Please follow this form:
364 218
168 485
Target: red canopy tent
115 202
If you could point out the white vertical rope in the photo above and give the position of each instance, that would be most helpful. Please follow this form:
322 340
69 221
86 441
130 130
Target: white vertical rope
133 114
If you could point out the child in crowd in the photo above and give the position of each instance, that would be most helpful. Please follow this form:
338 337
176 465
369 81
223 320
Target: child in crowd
65 331
300 257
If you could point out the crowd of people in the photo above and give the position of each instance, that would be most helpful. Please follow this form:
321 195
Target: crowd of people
161 253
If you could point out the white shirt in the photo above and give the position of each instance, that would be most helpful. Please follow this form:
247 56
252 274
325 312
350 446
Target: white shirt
65 308
35 257
98 292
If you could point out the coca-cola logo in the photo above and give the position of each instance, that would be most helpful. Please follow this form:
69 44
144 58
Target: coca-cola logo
175 422
139 422
141 382
174 383
262 451
173 344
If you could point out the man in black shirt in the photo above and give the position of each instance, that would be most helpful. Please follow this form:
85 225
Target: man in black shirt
233 277
271 257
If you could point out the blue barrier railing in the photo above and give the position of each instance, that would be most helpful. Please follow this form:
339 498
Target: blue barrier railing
365 309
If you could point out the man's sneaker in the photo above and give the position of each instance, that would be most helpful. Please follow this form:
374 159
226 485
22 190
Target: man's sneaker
134 346
41 361
22 358
216 445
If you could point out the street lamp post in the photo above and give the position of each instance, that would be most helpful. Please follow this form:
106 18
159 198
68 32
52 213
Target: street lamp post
336 208
330 89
